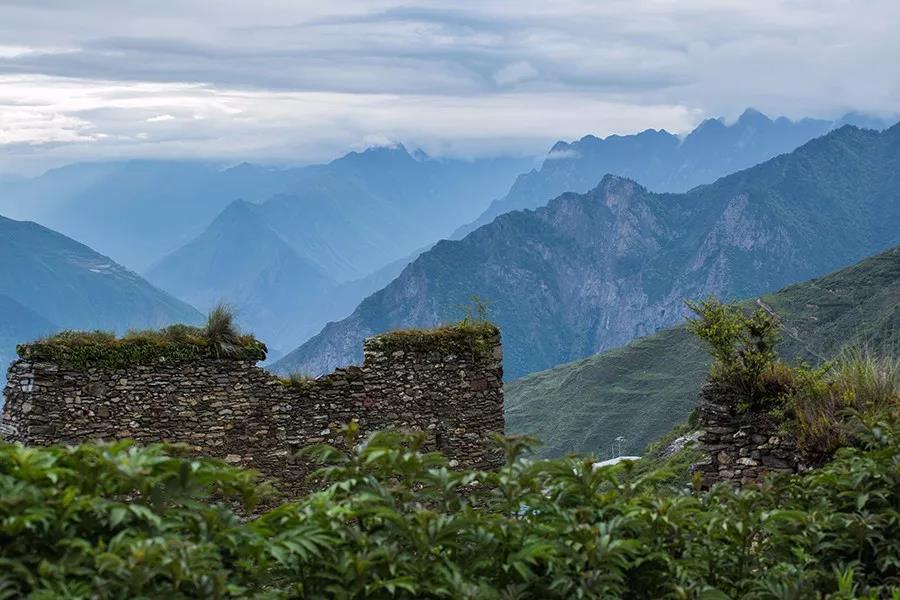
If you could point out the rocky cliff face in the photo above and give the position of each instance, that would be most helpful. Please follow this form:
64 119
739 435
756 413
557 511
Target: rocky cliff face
593 271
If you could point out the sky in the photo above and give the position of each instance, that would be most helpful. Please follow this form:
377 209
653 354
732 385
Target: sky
303 81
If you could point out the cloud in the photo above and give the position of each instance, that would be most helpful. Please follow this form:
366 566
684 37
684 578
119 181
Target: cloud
561 154
492 76
160 118
235 124
515 73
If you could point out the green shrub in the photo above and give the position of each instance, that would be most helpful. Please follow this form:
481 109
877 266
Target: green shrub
395 522
822 405
743 347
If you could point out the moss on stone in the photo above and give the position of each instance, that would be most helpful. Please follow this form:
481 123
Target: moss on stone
178 343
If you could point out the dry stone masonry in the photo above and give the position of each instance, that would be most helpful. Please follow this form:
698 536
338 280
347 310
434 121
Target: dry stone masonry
741 447
446 382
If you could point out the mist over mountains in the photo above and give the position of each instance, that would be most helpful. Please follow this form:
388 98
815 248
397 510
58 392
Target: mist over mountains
590 272
300 258
292 249
139 211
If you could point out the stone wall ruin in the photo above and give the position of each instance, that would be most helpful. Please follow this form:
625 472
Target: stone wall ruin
741 446
445 382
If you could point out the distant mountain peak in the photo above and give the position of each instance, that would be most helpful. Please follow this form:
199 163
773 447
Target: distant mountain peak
394 153
236 211
751 115
611 182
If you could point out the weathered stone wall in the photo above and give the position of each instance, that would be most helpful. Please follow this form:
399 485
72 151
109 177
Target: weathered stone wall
741 447
245 415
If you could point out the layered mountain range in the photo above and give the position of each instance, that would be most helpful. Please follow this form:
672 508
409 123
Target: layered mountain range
134 211
355 209
304 256
642 390
593 271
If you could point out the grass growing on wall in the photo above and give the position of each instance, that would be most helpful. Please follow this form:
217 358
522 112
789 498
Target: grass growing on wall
219 338
478 337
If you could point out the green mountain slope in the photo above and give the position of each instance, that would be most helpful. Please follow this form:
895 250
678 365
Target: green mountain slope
591 272
642 390
74 287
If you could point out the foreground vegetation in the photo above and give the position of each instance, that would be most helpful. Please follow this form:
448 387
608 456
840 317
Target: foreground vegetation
119 521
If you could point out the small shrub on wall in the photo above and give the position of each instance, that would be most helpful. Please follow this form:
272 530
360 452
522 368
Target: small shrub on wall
743 347
822 406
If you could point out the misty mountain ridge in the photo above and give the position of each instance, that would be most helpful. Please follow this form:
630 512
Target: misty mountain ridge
662 161
161 205
296 260
590 272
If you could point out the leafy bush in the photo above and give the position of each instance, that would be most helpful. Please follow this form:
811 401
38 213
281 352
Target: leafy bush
743 347
117 521
179 343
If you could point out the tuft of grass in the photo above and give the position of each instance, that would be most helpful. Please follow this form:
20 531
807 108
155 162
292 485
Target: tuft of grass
221 331
297 380
828 402
870 380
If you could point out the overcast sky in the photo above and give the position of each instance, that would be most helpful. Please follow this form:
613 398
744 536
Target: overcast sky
299 81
